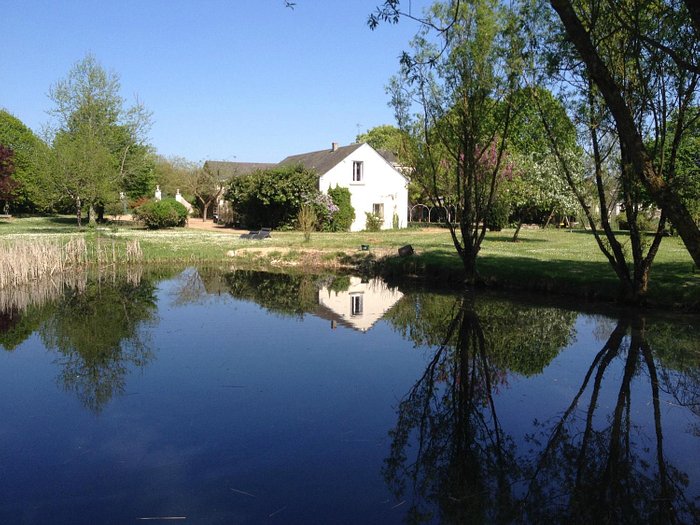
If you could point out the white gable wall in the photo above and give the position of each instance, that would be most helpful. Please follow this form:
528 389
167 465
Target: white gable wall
381 184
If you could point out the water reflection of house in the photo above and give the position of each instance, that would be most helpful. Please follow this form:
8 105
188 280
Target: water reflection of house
360 306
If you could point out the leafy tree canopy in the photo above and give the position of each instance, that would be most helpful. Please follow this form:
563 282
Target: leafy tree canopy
29 170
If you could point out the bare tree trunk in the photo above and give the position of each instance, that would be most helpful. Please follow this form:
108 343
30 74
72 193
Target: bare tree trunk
78 211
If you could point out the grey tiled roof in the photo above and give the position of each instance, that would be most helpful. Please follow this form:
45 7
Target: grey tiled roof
226 170
321 161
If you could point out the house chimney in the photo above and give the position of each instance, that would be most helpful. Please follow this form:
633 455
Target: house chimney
334 146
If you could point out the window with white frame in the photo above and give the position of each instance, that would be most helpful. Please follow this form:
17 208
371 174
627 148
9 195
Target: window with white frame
378 210
357 171
356 304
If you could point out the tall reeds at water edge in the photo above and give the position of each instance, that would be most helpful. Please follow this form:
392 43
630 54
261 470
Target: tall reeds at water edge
25 261
46 290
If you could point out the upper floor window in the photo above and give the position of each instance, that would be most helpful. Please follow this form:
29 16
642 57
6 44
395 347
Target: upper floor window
357 175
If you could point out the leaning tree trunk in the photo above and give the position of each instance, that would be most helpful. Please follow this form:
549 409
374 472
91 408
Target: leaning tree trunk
517 231
667 199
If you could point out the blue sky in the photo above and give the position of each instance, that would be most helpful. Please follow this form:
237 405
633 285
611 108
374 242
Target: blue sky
245 80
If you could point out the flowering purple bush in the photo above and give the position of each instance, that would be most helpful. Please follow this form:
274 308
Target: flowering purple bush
324 208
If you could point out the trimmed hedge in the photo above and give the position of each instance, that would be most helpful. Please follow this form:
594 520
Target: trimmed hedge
167 213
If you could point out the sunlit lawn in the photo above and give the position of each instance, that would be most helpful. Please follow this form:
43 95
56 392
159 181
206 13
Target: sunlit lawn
560 261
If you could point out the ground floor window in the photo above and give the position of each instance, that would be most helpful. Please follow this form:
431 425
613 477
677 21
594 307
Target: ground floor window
356 304
378 210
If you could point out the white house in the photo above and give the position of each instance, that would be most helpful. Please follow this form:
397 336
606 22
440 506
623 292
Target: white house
360 306
375 185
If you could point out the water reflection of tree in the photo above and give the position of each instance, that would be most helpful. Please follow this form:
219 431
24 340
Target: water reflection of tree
453 460
464 464
592 473
520 338
97 332
284 294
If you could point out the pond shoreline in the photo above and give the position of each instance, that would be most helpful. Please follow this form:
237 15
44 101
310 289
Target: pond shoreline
423 274
556 263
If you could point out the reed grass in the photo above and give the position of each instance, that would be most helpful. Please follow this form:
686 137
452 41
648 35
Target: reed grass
25 261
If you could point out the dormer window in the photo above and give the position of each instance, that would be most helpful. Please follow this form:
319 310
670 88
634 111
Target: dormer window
357 175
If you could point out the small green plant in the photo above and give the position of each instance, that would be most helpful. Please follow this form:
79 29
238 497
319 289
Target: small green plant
306 218
167 213
395 221
373 222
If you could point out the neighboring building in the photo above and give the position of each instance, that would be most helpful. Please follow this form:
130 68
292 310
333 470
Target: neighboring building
225 171
375 183
360 306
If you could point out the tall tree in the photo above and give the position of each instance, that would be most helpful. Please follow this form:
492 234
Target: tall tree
206 186
93 135
7 170
665 76
651 88
29 152
461 77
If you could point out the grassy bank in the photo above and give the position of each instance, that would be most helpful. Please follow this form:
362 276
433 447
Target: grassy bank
551 261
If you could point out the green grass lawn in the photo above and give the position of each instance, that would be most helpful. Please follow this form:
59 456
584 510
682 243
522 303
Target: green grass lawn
556 261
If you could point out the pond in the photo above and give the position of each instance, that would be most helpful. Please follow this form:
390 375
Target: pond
208 396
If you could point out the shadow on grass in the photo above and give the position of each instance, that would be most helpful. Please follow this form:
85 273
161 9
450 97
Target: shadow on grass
65 221
509 239
671 284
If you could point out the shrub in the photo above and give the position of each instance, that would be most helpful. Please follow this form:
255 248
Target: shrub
373 222
644 223
324 209
167 213
271 197
342 219
498 215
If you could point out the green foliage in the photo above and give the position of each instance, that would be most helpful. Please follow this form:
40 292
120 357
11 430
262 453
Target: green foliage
685 178
373 222
271 198
343 218
453 100
29 154
167 213
385 137
98 144
539 188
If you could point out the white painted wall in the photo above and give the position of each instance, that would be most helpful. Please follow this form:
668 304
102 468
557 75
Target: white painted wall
381 184
374 297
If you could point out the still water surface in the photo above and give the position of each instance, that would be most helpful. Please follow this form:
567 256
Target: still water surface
214 397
